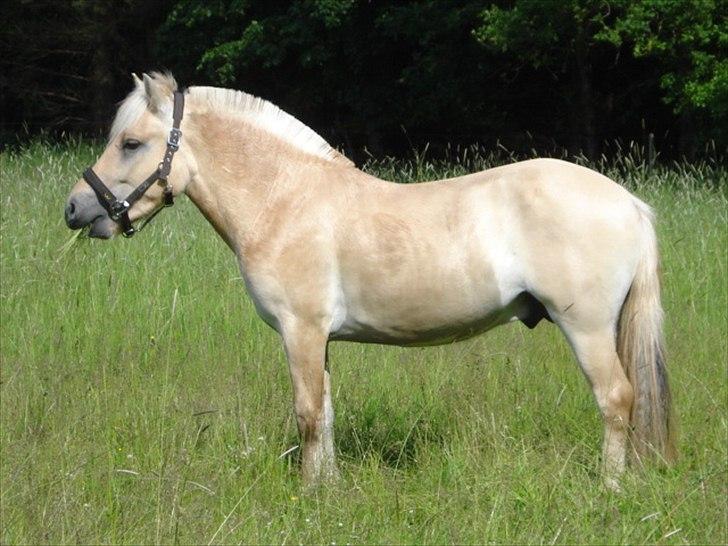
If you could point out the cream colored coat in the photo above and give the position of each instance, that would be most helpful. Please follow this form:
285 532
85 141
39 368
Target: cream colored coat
328 252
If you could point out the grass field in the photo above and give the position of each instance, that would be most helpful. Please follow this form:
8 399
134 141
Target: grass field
144 402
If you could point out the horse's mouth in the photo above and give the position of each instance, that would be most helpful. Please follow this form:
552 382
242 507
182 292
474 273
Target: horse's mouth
101 227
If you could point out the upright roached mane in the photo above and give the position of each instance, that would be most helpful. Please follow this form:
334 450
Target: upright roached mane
268 117
329 252
250 109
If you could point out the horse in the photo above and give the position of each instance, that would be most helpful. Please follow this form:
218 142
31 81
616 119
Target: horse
328 252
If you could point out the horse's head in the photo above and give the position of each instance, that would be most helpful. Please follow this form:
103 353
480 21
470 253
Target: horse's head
137 145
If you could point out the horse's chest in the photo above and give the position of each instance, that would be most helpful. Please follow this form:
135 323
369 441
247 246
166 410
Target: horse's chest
264 295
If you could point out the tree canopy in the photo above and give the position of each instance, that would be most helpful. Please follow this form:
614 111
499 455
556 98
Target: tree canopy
391 75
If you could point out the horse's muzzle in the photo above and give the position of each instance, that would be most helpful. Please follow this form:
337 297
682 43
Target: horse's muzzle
83 209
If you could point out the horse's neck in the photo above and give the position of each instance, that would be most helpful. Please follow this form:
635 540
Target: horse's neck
244 175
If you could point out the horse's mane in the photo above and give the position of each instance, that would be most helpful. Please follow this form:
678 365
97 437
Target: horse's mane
260 113
267 117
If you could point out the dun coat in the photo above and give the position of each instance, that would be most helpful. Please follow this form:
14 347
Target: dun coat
329 252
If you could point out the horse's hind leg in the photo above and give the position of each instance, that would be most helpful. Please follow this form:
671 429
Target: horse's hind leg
597 355
306 351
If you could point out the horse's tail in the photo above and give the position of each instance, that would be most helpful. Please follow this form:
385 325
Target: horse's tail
641 350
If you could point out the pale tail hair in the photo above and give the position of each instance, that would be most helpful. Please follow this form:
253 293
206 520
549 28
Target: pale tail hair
640 346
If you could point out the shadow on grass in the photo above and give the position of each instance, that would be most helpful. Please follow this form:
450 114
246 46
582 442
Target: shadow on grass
396 442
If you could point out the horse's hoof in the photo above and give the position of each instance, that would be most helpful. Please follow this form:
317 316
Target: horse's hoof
612 484
325 476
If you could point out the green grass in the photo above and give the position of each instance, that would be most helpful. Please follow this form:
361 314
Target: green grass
143 401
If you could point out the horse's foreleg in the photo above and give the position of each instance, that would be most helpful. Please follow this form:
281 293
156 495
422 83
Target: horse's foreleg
330 469
306 352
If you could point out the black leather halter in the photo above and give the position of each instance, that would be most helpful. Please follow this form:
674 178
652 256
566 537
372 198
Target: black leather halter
119 210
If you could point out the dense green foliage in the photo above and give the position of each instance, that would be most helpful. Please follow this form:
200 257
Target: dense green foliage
688 38
392 75
142 401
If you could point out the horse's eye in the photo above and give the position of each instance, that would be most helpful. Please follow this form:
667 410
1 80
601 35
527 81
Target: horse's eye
131 144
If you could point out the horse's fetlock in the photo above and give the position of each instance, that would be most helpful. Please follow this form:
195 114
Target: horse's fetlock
309 425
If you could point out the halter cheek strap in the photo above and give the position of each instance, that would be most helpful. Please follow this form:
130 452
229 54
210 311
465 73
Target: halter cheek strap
119 210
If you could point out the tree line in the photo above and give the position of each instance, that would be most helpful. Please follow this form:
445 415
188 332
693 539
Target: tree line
388 76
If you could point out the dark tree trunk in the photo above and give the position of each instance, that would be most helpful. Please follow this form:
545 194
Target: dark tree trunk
102 82
585 94
686 141
102 65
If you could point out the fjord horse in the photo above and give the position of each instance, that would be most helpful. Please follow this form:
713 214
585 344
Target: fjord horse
328 252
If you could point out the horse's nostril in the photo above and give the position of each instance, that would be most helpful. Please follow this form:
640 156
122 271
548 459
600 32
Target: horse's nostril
70 210
71 215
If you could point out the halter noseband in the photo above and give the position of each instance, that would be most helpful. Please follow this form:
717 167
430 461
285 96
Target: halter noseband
119 210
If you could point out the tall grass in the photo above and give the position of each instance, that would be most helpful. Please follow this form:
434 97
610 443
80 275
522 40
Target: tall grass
143 401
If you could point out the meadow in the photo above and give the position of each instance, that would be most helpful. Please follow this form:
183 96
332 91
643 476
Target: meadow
143 401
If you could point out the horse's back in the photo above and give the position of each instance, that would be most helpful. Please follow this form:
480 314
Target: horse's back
424 261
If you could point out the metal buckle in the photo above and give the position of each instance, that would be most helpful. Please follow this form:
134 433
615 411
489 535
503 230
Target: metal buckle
168 195
129 233
175 135
117 209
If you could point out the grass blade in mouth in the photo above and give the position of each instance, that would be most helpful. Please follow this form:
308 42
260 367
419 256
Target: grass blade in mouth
79 234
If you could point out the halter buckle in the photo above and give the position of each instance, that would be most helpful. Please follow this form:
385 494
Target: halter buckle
168 197
175 135
117 209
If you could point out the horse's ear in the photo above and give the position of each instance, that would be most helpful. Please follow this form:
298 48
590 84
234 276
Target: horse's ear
137 81
155 92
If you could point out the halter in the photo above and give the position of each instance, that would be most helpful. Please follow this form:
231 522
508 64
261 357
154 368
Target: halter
119 210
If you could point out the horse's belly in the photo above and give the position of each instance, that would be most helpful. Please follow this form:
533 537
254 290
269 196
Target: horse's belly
422 312
405 335
431 291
